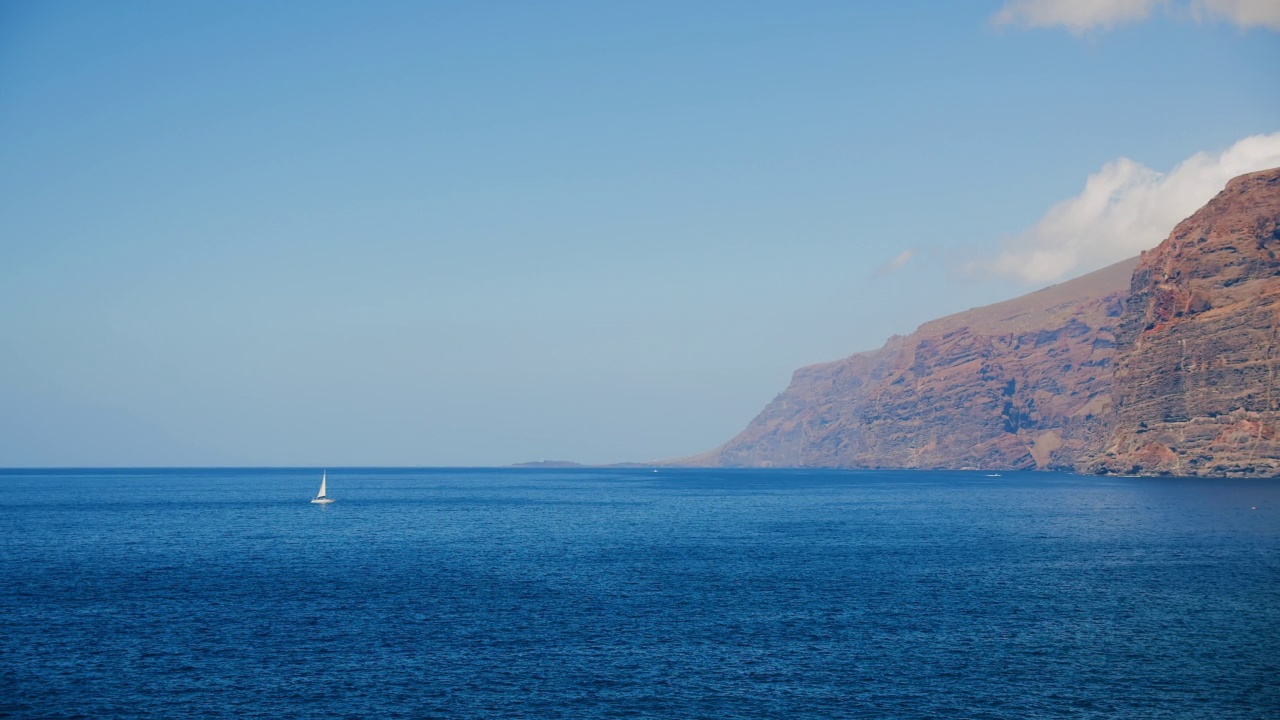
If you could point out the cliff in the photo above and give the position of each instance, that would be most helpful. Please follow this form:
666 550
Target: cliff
1019 384
1195 382
1164 364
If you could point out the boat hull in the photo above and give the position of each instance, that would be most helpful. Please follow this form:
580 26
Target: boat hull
321 501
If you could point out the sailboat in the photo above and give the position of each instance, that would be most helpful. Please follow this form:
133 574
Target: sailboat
321 498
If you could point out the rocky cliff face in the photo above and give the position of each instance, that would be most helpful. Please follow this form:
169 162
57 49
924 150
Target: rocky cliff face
1195 383
1019 384
1164 364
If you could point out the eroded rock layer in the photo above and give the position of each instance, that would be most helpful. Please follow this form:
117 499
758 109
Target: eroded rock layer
1019 384
1165 364
1195 385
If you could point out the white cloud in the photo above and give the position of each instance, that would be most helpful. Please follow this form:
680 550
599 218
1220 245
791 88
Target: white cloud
894 265
1081 16
1125 207
1245 13
1077 16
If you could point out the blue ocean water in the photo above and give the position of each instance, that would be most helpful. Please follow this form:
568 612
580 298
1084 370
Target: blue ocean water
628 593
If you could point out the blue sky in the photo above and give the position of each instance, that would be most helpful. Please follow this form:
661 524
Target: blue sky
448 233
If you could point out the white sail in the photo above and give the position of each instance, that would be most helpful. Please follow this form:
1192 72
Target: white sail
322 498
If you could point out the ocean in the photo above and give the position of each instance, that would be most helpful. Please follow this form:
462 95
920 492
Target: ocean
602 593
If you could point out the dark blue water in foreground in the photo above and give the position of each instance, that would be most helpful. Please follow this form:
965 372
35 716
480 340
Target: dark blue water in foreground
592 594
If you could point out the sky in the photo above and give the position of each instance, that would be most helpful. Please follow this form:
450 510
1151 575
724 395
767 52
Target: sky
463 233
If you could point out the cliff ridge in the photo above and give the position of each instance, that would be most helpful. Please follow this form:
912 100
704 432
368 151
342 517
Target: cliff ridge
1163 364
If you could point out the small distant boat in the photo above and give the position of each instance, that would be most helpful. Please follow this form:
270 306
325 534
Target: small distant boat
321 498
993 474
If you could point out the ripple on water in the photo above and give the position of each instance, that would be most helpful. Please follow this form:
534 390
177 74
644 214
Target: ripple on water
592 594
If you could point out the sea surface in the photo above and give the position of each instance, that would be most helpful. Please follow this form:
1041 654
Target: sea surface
676 594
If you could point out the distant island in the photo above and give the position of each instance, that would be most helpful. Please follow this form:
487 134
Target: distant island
571 464
548 464
1160 365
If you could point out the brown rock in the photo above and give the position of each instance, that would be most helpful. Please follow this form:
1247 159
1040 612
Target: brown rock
1019 384
1195 388
1165 364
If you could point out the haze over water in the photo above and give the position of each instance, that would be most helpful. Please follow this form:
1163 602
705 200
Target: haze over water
615 593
